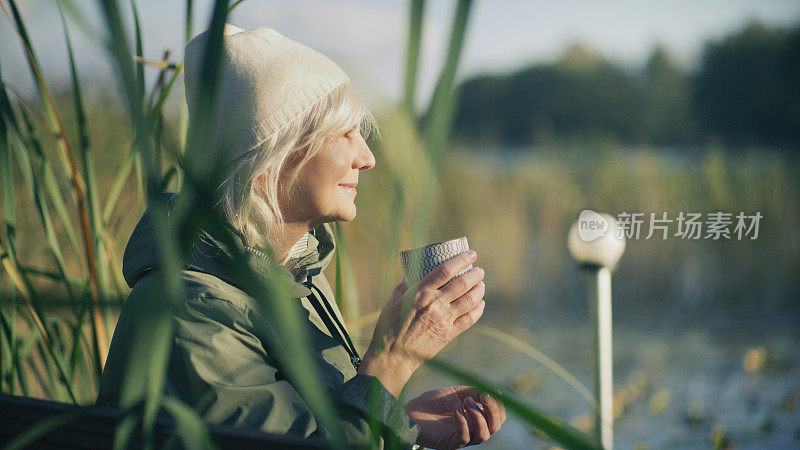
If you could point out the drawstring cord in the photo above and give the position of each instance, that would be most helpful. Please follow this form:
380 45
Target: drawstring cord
331 320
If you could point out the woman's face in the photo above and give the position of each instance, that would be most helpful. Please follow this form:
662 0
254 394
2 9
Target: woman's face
325 188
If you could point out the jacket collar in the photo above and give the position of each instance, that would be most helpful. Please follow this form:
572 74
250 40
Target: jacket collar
211 255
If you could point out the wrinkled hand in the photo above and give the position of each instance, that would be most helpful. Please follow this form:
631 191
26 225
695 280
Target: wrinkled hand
418 322
455 417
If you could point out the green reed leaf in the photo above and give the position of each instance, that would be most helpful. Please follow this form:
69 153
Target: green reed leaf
346 285
189 426
444 99
56 128
188 20
412 54
123 434
26 166
233 6
100 324
139 50
26 169
183 119
119 50
543 359
117 184
560 432
440 113
17 353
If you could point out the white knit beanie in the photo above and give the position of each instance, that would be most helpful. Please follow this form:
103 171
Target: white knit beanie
266 82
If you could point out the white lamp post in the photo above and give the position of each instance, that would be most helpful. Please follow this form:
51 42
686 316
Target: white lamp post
597 243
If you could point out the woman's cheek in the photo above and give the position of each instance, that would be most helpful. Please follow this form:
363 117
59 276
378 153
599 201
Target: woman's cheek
341 168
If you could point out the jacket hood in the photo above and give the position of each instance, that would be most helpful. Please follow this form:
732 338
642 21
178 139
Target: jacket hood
309 256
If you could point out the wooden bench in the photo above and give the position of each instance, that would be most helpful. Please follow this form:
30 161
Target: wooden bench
93 427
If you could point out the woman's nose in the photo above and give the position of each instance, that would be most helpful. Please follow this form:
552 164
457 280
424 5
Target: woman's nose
365 159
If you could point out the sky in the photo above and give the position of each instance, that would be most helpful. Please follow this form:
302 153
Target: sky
368 38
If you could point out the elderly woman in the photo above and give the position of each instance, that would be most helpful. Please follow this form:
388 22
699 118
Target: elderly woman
290 128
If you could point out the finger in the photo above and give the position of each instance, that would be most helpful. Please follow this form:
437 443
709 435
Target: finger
500 404
494 408
468 301
480 429
448 269
461 285
467 320
461 437
494 418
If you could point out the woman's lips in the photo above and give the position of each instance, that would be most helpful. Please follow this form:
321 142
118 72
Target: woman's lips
349 187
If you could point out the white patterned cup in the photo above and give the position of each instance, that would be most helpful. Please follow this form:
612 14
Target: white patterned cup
420 261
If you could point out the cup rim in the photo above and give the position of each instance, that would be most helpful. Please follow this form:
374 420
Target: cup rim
435 243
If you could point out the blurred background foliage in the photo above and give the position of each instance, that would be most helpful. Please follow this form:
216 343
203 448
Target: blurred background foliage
706 331
744 92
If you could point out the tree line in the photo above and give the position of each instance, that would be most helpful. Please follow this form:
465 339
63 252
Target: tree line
744 91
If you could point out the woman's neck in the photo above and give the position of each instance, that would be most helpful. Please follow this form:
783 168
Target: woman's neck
291 233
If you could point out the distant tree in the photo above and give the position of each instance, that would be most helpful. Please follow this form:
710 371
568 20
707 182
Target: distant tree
481 114
578 94
746 91
667 117
748 87
591 95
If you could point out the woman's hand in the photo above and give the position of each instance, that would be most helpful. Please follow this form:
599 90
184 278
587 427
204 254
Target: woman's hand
416 323
455 417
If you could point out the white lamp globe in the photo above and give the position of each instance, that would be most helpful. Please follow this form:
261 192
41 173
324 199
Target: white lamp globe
596 240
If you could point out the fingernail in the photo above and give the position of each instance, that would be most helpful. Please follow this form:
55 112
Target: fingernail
472 254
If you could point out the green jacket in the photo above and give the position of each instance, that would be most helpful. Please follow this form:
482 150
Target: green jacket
219 360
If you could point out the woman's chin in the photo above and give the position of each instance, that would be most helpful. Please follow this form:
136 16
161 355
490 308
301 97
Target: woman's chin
348 215
344 216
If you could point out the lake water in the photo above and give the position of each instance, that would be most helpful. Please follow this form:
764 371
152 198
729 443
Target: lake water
679 387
